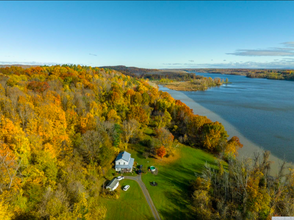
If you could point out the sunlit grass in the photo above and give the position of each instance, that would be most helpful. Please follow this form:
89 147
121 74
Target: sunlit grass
131 204
172 195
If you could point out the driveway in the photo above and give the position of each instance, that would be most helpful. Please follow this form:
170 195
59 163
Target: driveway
146 194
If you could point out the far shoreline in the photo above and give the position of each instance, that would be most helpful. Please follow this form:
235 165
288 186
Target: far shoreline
249 147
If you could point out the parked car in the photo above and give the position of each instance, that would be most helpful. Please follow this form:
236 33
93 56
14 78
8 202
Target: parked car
120 178
126 187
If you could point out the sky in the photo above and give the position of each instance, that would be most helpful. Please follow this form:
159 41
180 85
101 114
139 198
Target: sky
192 34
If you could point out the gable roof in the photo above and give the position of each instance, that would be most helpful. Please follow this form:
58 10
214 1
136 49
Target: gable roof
112 183
128 166
124 155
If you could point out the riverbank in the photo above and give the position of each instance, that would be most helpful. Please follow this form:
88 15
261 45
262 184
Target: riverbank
249 147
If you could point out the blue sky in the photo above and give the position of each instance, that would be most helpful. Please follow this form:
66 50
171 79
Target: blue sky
149 34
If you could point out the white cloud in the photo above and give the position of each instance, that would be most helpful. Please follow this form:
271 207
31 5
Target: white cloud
288 50
35 63
287 63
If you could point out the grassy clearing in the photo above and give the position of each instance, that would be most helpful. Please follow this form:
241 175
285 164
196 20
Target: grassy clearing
131 204
172 195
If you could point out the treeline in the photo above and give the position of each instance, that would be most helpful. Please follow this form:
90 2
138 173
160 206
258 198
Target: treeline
252 73
130 71
61 127
174 76
246 190
154 74
199 84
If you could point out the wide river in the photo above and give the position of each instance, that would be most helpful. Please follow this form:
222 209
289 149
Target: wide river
261 110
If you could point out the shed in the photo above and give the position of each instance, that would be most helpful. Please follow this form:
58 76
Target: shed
113 184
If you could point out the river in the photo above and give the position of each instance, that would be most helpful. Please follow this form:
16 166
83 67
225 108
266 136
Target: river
261 110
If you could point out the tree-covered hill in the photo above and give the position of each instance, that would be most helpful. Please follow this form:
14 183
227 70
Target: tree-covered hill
62 126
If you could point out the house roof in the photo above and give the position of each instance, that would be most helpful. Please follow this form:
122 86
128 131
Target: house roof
112 183
128 166
124 155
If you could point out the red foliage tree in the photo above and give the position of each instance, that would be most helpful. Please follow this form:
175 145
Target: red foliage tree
161 152
38 86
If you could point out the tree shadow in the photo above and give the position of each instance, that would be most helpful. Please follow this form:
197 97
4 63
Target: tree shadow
182 185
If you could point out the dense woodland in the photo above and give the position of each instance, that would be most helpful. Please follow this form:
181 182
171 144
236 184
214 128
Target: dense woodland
155 74
246 190
130 71
61 127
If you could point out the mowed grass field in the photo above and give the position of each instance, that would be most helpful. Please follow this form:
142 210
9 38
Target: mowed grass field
172 196
131 205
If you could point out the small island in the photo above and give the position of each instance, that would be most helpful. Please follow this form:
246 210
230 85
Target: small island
198 84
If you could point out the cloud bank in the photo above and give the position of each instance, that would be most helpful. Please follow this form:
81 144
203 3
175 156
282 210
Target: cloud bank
28 63
287 50
286 63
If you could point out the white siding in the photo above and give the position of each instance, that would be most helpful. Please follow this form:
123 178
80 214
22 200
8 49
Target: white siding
108 187
121 162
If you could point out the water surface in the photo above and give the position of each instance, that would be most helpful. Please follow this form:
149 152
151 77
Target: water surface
260 109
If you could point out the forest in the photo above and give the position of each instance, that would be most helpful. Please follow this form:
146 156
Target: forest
61 128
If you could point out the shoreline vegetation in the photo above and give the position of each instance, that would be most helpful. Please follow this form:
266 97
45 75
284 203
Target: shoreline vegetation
198 84
276 74
249 147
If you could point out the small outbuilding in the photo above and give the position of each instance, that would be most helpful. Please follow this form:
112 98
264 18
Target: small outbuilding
113 184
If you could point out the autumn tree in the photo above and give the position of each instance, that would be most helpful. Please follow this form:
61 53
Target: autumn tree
212 135
129 129
166 139
161 152
38 86
91 145
8 167
230 150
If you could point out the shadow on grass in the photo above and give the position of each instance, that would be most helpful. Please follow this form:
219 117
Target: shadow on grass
139 155
177 214
181 197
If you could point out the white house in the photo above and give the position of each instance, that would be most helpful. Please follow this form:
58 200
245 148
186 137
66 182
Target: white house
113 184
124 162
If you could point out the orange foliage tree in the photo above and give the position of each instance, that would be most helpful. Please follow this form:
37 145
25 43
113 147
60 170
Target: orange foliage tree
38 86
161 152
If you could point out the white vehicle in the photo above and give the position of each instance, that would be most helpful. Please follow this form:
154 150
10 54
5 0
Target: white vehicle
120 178
126 187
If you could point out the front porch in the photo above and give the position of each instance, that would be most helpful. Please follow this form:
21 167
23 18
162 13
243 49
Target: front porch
125 170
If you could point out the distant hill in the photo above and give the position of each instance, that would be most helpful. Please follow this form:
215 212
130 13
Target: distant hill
19 65
131 71
146 73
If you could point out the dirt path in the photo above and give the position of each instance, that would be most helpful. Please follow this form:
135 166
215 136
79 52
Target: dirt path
146 194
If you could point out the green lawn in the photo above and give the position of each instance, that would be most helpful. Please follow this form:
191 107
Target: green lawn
172 196
131 204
